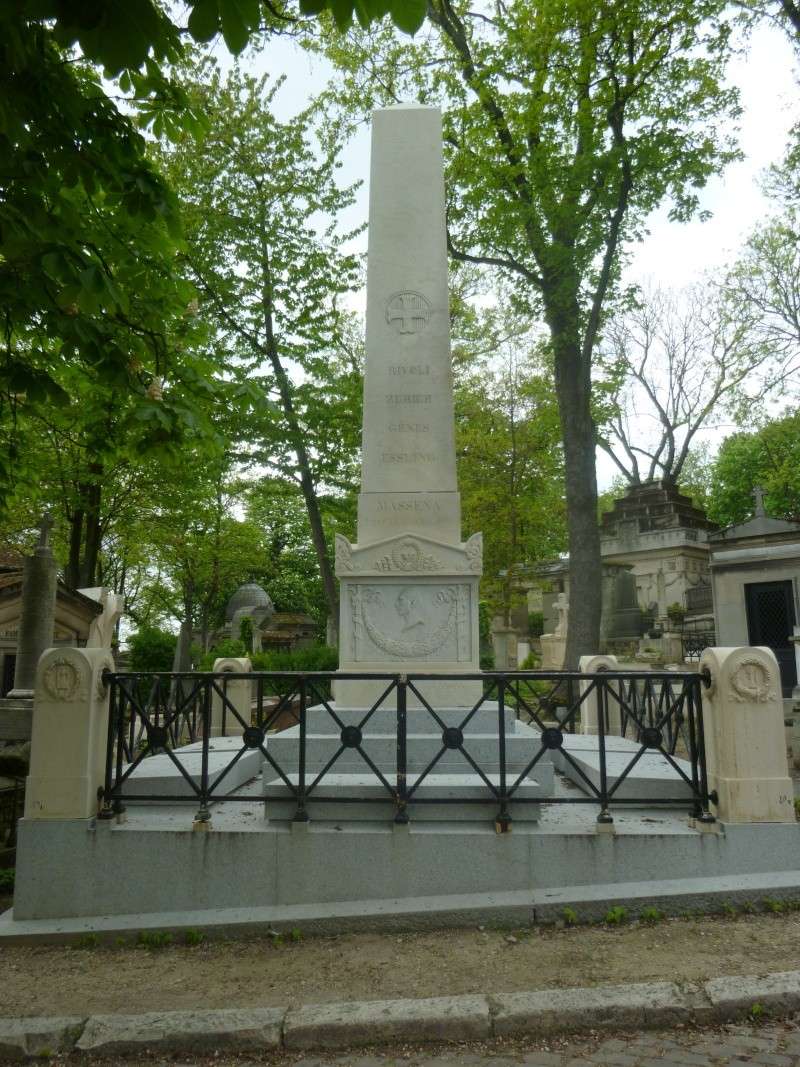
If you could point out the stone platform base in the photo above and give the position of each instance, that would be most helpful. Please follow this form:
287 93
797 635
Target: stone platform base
154 863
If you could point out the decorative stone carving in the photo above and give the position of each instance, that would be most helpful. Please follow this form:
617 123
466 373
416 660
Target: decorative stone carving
408 557
408 312
398 620
474 551
344 553
750 683
62 680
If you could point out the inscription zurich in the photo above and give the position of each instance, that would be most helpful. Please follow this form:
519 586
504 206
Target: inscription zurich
408 398
400 370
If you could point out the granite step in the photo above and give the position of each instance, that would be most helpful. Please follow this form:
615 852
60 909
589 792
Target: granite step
458 798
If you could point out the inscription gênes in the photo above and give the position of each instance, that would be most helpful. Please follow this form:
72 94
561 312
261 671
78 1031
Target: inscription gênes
408 398
409 427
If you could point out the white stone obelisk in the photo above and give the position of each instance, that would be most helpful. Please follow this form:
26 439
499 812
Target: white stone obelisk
409 586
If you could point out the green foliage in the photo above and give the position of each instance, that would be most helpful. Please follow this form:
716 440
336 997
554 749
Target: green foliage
246 632
728 909
316 658
535 623
651 915
570 916
154 939
756 1010
152 649
295 934
7 879
797 807
193 938
87 941
616 916
487 661
777 907
768 457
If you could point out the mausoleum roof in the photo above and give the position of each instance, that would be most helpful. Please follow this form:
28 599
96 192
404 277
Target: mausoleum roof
249 595
655 506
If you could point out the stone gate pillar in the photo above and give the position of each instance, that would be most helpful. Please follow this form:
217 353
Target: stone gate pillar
239 693
70 734
744 735
590 665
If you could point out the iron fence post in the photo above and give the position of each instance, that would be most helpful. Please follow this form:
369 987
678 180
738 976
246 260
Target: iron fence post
604 818
202 820
401 816
117 805
503 821
697 702
301 815
106 811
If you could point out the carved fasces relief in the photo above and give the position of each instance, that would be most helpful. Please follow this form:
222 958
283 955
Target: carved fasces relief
65 681
751 682
410 622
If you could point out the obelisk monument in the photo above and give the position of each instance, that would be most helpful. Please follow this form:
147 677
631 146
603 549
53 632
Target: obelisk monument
409 586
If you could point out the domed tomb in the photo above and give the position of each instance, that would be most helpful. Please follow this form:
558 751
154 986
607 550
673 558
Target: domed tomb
249 601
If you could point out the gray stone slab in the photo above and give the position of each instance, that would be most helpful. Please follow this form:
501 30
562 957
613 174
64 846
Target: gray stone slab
158 775
780 990
473 793
651 778
552 1010
374 1022
39 1036
420 750
183 1031
419 720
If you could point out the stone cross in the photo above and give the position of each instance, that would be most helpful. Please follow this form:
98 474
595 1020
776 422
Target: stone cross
45 526
758 497
562 607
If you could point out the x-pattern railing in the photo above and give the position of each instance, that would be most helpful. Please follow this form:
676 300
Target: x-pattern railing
152 714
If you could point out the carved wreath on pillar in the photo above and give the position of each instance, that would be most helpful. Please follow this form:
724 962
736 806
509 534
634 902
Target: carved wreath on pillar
750 682
62 680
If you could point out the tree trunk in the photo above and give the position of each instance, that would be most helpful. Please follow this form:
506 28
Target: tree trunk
93 527
72 570
574 392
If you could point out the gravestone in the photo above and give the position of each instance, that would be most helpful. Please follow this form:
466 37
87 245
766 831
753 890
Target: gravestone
38 612
409 585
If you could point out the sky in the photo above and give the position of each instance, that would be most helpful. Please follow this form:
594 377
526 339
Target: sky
673 254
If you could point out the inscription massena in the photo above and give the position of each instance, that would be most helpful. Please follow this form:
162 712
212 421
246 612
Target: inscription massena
408 312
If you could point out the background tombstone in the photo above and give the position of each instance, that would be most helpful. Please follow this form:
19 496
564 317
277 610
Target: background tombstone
38 611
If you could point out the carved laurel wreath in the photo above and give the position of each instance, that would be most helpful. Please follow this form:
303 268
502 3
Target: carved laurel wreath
750 682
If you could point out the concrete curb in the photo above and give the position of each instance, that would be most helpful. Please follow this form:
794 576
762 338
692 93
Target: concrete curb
436 1019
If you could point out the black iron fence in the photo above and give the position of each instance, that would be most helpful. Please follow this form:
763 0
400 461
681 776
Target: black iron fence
162 713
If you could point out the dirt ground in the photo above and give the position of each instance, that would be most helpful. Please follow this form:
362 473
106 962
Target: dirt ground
267 971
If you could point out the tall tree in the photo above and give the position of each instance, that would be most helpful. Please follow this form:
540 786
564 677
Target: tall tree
679 364
264 249
567 123
510 467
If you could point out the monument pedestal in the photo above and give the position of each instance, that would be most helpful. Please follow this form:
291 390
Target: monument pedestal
410 604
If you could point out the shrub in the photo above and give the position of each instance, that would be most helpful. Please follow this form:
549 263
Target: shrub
651 915
6 879
775 906
154 939
570 916
152 649
194 937
535 623
616 916
87 941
